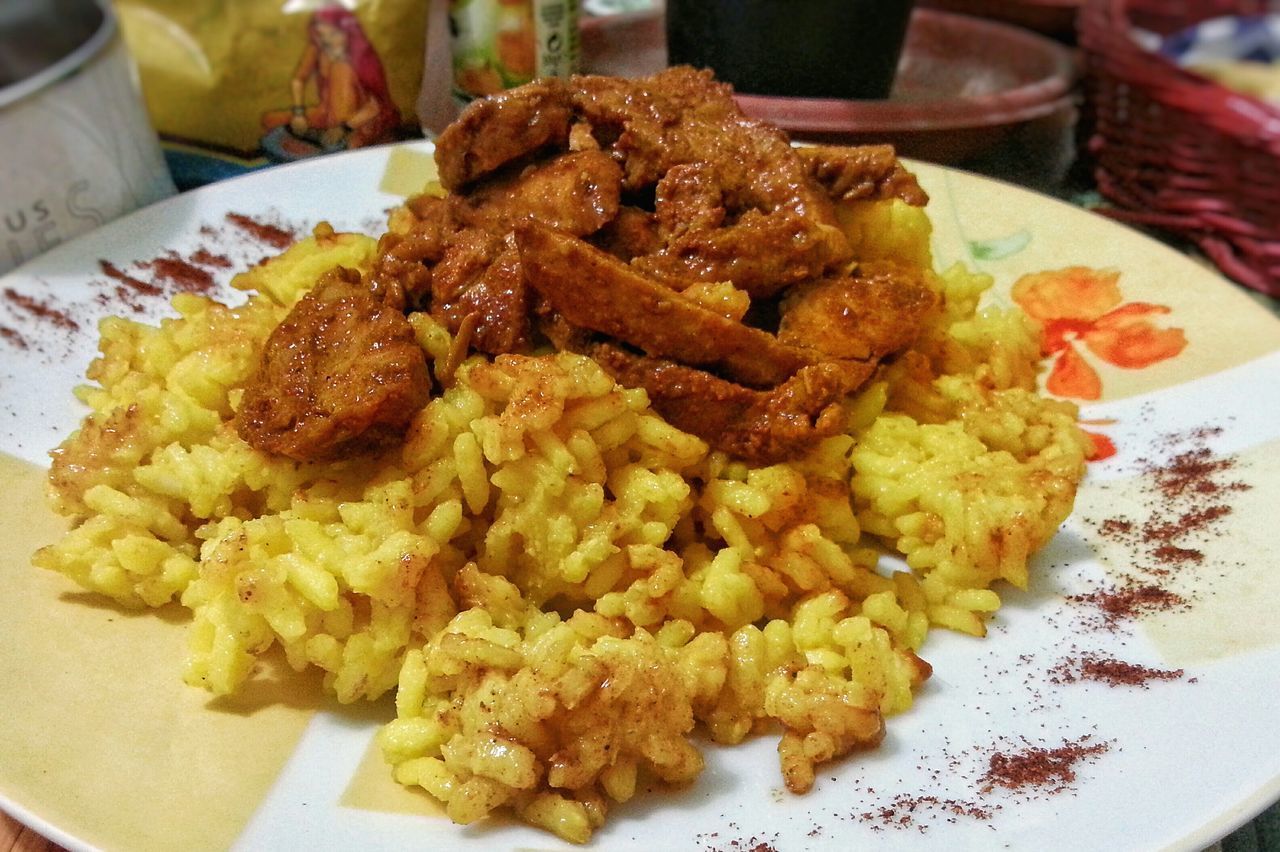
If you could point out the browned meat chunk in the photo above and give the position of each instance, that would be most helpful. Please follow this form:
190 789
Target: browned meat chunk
688 198
494 131
595 290
734 200
763 253
862 172
878 311
342 373
763 427
462 261
650 215
681 116
633 232
405 257
575 192
479 275
454 245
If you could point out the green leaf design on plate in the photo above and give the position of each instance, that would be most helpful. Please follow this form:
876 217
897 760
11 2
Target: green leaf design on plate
1001 247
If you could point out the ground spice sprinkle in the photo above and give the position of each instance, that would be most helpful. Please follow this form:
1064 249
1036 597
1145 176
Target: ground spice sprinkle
37 321
1185 497
1047 770
1125 603
265 232
1109 671
41 309
182 275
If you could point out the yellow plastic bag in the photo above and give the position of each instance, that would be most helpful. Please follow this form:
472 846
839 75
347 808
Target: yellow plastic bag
277 80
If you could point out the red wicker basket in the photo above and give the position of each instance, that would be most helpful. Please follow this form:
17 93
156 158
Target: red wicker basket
1176 150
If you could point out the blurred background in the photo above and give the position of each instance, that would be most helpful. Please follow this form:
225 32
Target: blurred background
1161 113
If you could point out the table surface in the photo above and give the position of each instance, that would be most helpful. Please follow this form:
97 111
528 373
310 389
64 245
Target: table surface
16 837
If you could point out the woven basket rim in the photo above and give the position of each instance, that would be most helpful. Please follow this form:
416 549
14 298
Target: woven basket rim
1106 39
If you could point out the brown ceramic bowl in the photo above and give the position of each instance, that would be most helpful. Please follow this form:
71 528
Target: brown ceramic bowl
1055 18
964 85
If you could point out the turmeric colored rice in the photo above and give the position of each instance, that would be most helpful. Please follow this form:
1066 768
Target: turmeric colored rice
558 586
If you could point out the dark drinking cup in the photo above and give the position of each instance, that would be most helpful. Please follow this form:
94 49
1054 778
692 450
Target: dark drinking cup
803 48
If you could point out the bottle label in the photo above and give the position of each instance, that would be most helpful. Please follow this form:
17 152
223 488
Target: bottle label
499 44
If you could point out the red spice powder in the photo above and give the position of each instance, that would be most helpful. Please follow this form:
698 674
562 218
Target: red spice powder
1191 472
1047 770
1169 554
1109 671
42 310
181 274
1116 527
1128 602
272 235
204 257
755 843
1187 494
919 810
141 285
12 336
137 285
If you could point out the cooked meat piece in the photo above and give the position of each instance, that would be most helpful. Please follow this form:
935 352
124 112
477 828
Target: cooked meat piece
494 131
576 192
405 257
595 290
724 182
499 301
762 427
633 232
479 273
688 198
878 311
763 253
341 374
653 212
562 334
454 245
852 173
461 263
452 241
681 116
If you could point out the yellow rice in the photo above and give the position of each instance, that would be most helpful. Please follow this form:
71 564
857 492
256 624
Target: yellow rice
559 585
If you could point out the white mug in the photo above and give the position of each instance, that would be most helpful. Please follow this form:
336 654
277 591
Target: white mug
79 149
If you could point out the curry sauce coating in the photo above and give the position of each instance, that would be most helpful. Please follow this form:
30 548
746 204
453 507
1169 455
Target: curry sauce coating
594 290
588 209
765 426
341 374
874 312
503 127
857 172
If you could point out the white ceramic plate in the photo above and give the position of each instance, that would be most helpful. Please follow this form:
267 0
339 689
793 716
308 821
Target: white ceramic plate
1186 760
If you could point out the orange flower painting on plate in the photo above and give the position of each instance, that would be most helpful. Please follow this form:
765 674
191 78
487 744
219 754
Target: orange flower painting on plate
1082 308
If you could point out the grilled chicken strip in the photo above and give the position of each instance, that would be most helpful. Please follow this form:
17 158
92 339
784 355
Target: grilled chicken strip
596 291
761 426
874 312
